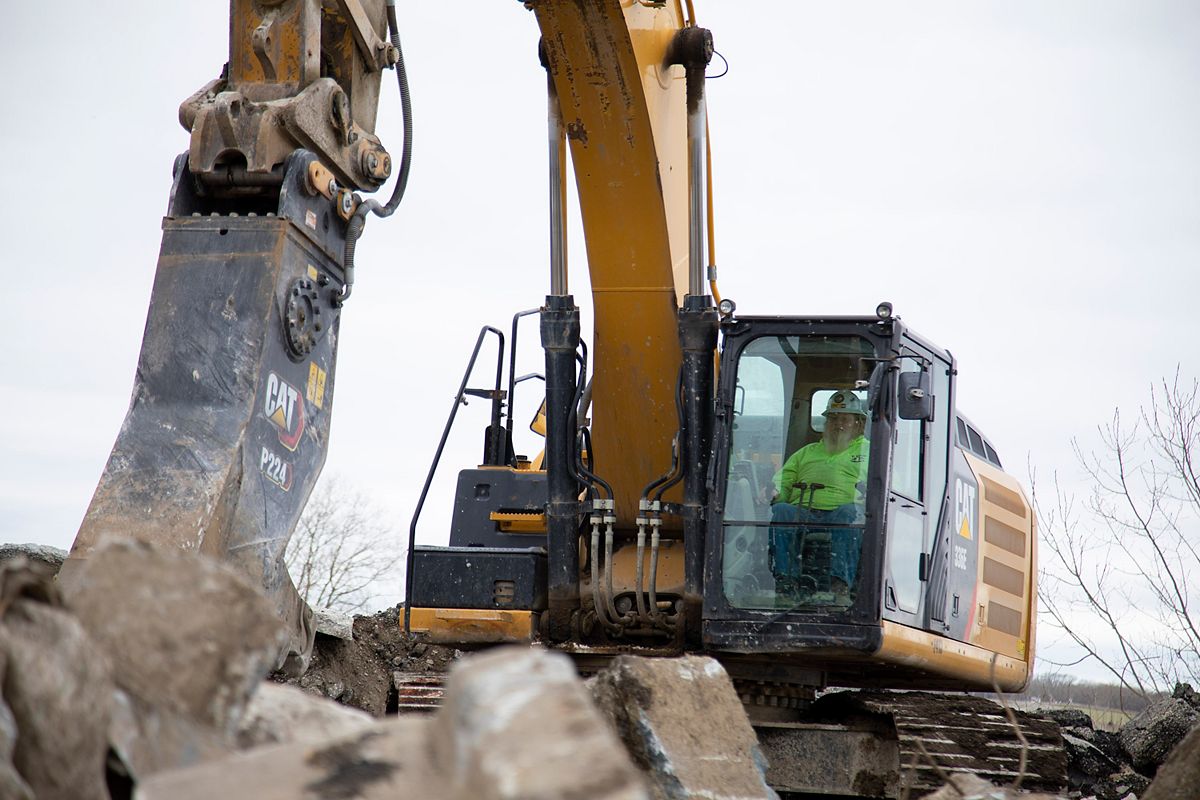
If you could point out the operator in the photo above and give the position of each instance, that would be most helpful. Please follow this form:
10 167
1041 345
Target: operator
821 483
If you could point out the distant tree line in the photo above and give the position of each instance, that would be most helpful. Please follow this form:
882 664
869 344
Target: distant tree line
1056 689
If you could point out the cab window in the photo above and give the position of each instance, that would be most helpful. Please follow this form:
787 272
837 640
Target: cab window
799 451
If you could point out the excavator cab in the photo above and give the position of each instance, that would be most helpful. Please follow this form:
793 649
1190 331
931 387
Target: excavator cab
819 531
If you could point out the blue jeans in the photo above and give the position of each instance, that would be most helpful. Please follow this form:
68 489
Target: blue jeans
844 543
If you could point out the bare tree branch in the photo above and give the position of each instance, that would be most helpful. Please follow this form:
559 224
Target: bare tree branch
1125 566
341 550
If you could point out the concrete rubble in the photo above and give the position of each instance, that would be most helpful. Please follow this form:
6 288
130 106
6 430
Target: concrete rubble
280 714
145 677
1151 736
332 623
1117 766
655 705
189 640
52 557
57 693
1178 776
517 723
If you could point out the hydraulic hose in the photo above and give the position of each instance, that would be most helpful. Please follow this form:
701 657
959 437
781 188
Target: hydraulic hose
582 472
359 220
675 474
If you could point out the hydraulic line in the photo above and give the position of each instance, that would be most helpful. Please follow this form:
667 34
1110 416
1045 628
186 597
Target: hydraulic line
712 238
674 474
582 472
652 516
606 613
359 220
642 616
609 519
602 601
656 614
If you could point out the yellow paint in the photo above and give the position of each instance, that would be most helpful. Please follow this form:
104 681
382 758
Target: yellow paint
293 32
670 568
461 625
949 658
312 271
315 390
516 522
627 127
1019 646
965 530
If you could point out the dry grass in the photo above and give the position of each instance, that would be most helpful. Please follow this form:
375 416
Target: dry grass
1104 719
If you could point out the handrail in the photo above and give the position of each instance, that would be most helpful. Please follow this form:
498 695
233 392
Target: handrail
512 370
437 457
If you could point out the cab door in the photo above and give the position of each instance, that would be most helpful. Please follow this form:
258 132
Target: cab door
916 491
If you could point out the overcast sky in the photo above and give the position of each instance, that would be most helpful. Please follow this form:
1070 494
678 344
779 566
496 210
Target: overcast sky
1021 180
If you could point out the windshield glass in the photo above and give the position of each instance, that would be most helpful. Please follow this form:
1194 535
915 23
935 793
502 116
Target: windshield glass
794 504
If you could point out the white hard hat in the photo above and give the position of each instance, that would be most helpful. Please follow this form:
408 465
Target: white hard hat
844 403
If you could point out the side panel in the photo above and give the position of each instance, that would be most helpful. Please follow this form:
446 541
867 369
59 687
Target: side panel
988 539
1002 614
488 494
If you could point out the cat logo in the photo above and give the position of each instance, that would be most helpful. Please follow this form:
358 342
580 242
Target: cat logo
965 507
285 410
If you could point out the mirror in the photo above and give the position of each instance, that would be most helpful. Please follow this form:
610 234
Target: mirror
915 400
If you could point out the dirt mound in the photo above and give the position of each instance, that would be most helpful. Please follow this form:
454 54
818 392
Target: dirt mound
359 672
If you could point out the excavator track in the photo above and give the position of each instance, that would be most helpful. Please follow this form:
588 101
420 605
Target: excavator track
877 743
418 692
964 733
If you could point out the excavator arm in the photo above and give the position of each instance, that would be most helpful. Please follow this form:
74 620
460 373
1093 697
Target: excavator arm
623 109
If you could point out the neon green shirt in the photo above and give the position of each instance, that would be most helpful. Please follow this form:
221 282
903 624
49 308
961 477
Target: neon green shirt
839 472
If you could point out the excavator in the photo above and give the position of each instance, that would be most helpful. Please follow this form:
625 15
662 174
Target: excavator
647 525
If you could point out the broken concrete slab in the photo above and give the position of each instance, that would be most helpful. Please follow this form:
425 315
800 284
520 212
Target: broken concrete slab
279 713
1086 763
1150 737
52 557
1185 692
381 763
1107 742
654 705
518 723
189 640
333 623
1067 717
1121 786
56 693
149 739
1179 775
